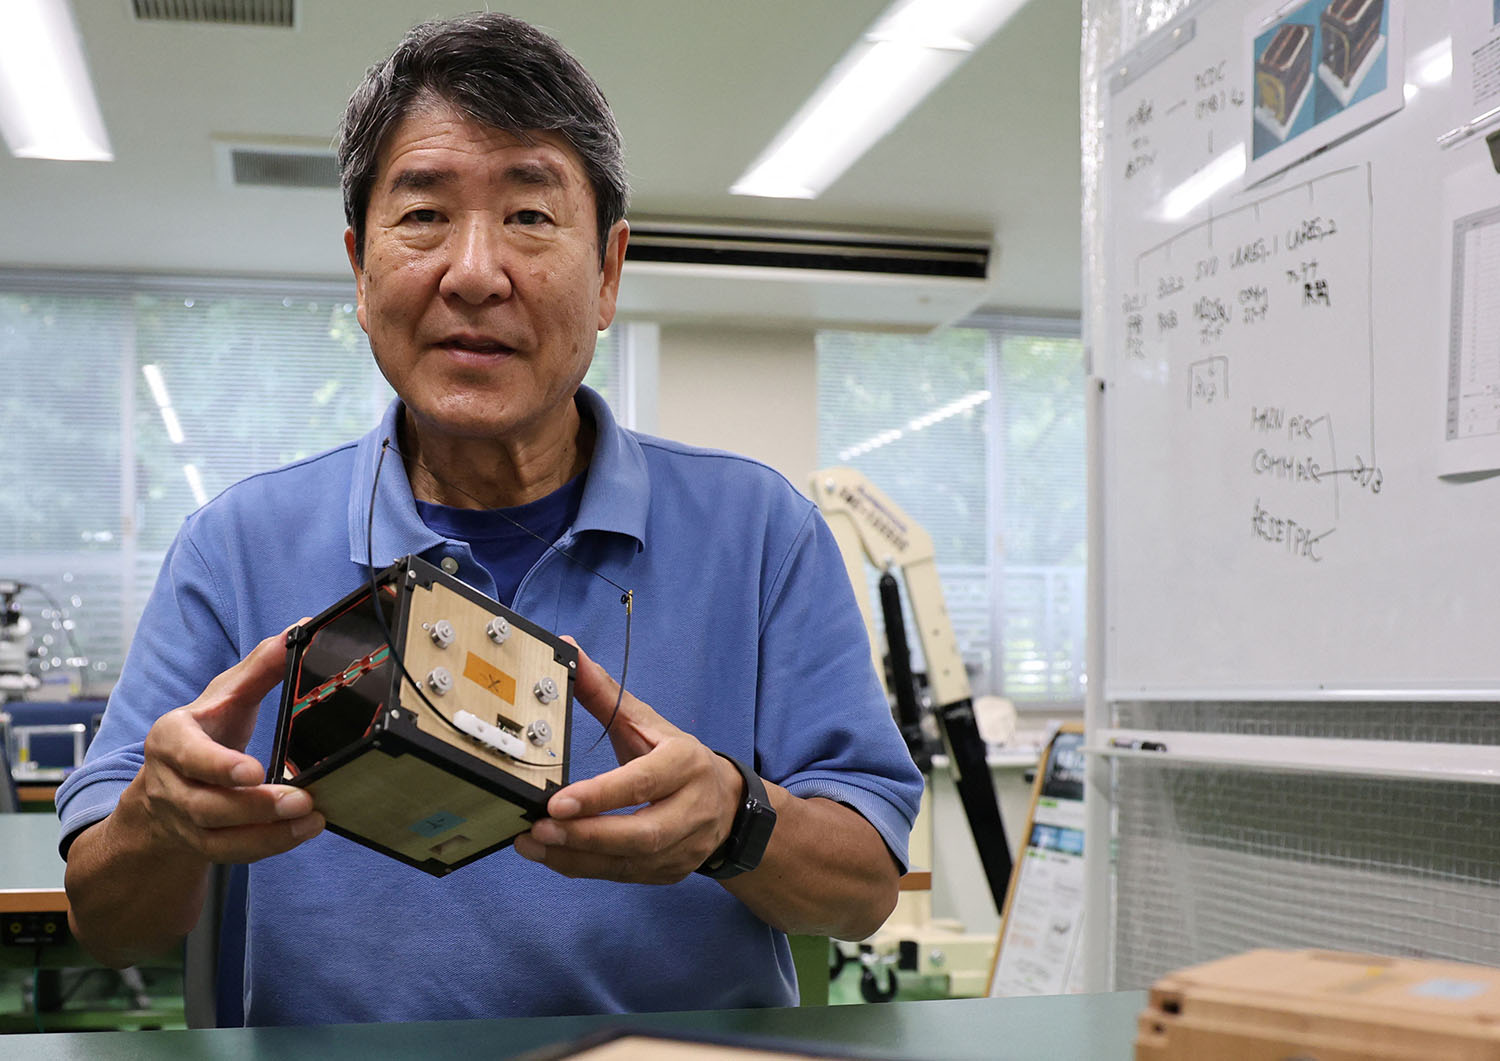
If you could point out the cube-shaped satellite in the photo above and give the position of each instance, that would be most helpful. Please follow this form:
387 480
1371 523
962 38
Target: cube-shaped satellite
433 731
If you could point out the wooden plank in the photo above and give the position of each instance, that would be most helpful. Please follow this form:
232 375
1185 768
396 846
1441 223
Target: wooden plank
33 901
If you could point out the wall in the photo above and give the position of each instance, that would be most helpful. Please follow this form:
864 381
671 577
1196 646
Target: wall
750 390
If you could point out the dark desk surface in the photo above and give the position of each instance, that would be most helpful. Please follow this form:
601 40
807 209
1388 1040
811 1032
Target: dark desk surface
1064 1026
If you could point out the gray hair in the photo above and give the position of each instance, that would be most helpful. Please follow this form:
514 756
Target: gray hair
500 72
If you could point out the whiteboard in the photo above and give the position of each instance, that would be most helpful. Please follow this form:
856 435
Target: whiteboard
1284 361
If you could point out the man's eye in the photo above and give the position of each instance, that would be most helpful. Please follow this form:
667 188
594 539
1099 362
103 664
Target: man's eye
422 217
530 217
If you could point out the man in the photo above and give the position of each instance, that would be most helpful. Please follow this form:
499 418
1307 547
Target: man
485 198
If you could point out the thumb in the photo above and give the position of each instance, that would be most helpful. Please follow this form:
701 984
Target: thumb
634 728
226 711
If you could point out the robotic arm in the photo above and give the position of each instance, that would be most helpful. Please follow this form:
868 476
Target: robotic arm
871 528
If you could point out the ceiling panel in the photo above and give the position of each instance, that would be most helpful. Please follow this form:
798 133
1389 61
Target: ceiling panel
699 88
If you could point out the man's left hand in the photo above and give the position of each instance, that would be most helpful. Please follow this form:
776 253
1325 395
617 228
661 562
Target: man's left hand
684 798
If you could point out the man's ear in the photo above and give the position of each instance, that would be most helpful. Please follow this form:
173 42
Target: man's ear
609 276
352 249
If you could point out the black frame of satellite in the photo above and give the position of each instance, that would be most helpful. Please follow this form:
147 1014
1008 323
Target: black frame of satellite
383 767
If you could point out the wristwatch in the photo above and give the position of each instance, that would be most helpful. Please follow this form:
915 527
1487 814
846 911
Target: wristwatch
753 822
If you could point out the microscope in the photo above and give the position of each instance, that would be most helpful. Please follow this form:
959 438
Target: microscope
16 652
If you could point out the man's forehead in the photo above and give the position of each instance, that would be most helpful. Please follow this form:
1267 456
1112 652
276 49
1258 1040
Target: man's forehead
414 153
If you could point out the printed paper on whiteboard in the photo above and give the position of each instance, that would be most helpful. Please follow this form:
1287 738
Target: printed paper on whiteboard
1476 57
1471 269
1319 70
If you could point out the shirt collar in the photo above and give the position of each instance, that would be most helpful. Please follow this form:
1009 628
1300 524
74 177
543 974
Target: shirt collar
616 493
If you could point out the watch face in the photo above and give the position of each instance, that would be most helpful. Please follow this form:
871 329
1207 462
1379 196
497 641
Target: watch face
748 836
761 820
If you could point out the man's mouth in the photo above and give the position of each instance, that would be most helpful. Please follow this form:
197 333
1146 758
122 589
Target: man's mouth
475 344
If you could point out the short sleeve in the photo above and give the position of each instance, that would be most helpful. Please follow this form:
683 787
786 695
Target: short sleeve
823 725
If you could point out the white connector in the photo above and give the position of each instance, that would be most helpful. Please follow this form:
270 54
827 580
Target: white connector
494 736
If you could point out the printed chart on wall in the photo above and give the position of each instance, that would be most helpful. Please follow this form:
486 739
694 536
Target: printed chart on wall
1281 365
1471 407
1041 929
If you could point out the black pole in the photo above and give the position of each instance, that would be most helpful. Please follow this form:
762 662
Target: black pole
903 681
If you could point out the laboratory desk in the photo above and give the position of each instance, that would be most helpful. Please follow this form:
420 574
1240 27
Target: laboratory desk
31 887
31 871
1063 1026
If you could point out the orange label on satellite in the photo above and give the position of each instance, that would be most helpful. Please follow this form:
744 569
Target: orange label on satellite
488 676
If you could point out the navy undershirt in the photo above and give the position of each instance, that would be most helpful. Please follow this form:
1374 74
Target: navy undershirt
506 551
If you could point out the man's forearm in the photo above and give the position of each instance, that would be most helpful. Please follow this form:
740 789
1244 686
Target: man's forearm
825 872
130 896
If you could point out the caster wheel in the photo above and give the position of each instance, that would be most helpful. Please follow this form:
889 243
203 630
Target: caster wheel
871 990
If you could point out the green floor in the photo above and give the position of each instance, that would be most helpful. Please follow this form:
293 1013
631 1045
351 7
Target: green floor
88 1000
99 999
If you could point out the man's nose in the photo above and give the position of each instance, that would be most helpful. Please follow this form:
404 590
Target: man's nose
479 269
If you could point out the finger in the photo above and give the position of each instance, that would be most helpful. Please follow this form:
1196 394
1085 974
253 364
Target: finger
251 843
676 828
595 689
227 708
179 743
212 807
644 779
635 728
581 864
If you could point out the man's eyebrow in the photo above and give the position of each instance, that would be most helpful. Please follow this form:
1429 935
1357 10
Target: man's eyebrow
532 173
536 173
420 180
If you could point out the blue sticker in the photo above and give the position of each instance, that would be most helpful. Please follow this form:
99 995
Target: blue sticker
434 824
1454 990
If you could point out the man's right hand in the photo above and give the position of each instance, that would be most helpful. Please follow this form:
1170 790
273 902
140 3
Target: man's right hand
198 789
136 880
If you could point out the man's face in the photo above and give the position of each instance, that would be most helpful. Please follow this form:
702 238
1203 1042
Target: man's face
481 290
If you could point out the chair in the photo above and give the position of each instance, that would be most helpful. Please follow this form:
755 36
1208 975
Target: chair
213 959
10 799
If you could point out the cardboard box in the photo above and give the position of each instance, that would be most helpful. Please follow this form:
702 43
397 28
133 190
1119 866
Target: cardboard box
1274 1005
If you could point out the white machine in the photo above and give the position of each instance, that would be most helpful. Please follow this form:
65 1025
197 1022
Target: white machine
872 529
16 656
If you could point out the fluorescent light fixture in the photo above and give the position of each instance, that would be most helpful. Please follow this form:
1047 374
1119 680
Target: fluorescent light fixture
1203 185
47 104
158 384
195 484
909 51
920 423
174 426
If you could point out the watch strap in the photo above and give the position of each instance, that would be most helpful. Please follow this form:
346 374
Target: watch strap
754 818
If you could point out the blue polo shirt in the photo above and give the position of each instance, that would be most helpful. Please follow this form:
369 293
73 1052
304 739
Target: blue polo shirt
746 634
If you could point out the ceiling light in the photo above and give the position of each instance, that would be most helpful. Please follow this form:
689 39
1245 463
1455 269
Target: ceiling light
158 384
909 51
47 104
920 423
195 484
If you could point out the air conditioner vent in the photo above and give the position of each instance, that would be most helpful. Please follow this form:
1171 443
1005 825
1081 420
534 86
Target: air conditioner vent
751 245
283 169
273 13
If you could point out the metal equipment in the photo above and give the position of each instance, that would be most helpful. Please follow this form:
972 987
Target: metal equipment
16 655
871 528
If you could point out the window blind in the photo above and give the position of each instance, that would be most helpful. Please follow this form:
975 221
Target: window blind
130 401
977 432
